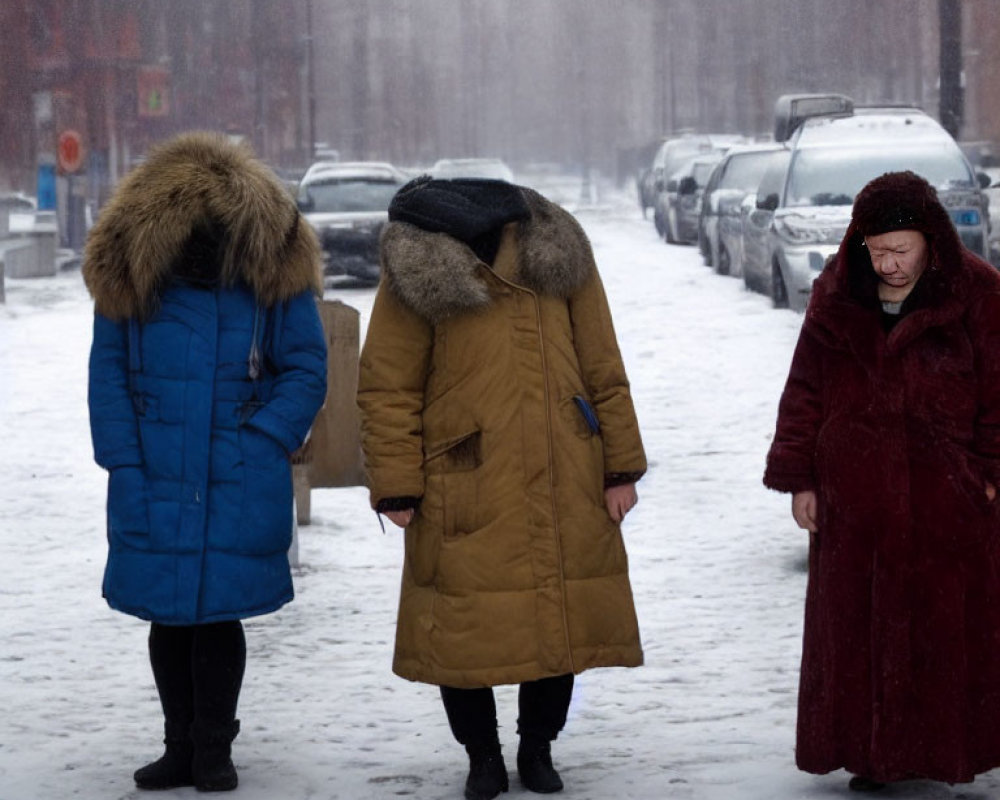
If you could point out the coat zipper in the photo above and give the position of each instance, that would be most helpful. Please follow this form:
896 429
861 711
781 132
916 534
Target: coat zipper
552 487
551 460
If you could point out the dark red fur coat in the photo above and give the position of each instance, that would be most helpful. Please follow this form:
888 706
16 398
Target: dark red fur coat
898 434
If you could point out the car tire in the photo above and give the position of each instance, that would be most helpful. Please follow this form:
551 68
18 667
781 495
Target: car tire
723 266
658 222
704 248
779 292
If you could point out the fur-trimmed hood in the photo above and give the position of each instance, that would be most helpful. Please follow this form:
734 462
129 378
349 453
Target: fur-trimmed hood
192 180
844 305
438 276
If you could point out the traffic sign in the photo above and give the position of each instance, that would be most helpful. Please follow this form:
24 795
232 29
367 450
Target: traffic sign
69 152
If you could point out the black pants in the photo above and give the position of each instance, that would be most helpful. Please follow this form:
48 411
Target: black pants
198 670
542 706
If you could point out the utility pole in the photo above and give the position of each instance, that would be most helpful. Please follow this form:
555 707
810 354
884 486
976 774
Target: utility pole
258 36
951 105
310 82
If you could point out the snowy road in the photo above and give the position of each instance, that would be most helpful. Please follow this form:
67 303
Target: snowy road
717 569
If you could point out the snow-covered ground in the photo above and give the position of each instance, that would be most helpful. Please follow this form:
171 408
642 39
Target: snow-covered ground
717 568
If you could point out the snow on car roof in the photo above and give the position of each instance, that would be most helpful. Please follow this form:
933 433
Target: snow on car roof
353 169
871 126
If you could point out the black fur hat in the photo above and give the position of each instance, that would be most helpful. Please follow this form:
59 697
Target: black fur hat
899 201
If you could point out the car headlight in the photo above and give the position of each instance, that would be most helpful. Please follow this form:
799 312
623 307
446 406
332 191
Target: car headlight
965 216
807 230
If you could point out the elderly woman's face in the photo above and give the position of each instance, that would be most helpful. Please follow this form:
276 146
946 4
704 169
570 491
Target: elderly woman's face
899 259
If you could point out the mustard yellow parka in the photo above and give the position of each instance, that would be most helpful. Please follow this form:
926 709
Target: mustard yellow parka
513 569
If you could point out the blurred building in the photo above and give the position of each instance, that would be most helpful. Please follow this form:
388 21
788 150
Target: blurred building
123 74
575 83
981 70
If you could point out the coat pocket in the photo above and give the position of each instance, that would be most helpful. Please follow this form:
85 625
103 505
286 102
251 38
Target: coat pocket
423 544
265 519
457 461
579 414
457 454
128 507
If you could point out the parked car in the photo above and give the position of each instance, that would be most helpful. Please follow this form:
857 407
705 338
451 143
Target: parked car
645 182
347 203
646 185
992 193
802 211
671 155
720 228
472 168
683 197
322 164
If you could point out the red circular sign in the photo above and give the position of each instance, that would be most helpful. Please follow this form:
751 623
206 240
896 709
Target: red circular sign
70 151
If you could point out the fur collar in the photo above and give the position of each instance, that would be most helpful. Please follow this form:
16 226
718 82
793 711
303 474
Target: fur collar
438 276
192 178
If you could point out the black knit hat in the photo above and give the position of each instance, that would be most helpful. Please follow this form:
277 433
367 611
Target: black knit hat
898 201
466 208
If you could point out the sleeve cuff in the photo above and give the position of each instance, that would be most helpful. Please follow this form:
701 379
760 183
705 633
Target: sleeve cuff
621 478
397 504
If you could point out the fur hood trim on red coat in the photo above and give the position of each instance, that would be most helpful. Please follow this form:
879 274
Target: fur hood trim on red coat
438 276
196 179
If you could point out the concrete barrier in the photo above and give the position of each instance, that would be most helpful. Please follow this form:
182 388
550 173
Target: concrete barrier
336 433
19 258
332 456
30 248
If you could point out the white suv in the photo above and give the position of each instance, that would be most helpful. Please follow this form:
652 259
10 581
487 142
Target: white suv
803 207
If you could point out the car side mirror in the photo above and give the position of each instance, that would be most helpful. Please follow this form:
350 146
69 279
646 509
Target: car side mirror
305 203
768 202
688 185
984 180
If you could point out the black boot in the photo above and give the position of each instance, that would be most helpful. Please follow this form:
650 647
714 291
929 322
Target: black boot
173 768
487 772
534 766
542 707
170 658
472 715
212 767
859 783
218 663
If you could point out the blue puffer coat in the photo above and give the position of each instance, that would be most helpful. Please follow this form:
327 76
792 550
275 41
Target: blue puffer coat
200 494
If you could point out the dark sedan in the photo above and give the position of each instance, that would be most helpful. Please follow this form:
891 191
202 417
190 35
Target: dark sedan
347 204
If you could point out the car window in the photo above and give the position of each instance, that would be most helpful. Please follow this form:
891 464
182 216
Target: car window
824 177
345 195
684 151
744 171
715 179
773 179
701 172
